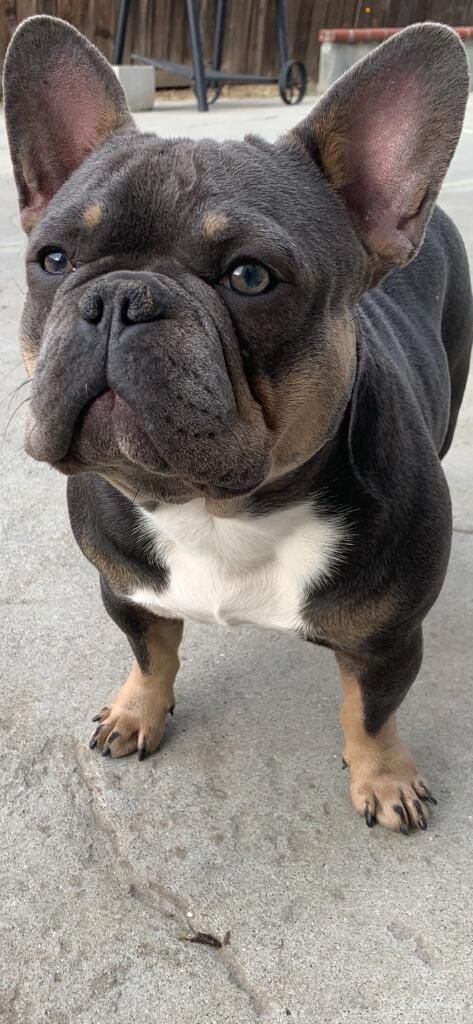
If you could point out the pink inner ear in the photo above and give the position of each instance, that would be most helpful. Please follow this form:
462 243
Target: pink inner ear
381 144
86 111
72 114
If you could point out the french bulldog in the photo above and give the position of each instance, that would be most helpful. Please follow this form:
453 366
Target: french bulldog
248 358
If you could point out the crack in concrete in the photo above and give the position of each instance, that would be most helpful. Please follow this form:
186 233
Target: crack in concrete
260 1003
236 974
98 812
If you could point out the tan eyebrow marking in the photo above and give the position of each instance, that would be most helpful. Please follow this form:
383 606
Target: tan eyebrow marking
214 224
92 216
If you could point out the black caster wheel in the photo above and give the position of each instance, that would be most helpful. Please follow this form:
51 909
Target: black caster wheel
292 82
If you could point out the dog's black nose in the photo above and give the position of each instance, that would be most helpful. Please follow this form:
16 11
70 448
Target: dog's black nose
125 301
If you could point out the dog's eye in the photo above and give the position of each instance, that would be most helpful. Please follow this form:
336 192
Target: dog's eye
249 279
56 262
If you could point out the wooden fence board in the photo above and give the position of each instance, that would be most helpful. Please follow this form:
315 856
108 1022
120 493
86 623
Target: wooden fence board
159 27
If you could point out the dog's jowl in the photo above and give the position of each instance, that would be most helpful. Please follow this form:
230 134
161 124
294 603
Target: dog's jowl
249 360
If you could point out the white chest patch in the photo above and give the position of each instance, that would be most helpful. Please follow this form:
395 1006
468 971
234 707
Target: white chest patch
249 569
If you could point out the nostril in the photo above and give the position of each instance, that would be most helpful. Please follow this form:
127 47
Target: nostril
138 305
126 304
125 311
91 307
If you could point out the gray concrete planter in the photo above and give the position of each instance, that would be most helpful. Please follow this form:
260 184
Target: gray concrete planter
138 82
340 48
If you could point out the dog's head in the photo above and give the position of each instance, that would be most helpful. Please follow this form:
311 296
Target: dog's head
189 317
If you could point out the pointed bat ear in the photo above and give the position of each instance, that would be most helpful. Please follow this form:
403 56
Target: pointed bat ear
384 135
62 99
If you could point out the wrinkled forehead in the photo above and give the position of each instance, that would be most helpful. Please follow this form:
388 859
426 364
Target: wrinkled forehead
177 175
137 190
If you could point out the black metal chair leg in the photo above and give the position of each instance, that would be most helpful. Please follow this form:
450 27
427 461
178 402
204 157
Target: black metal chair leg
120 32
217 49
219 34
197 57
281 13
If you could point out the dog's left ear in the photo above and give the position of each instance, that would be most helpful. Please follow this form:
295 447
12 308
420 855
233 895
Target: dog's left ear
384 135
62 99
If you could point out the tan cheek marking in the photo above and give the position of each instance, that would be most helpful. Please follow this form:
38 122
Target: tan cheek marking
303 411
29 355
214 224
92 216
287 411
30 360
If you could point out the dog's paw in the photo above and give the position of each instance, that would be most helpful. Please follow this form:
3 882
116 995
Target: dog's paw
135 720
390 791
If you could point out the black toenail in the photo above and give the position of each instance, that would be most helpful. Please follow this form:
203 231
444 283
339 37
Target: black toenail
171 710
93 741
112 737
422 823
400 811
370 819
344 764
142 753
96 718
106 752
430 799
404 829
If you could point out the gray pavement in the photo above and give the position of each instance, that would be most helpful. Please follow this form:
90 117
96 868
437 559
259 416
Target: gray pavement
242 822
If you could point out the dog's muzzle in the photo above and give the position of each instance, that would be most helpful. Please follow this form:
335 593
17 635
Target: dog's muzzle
173 363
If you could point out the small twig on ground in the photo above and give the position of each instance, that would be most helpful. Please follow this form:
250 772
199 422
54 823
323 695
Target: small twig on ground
206 939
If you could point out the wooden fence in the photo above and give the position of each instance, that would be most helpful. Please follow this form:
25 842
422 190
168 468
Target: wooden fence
159 27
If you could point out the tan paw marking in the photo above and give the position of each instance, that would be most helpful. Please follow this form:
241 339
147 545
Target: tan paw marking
135 720
388 789
385 784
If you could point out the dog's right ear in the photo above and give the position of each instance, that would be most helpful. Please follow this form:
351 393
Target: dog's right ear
384 135
62 99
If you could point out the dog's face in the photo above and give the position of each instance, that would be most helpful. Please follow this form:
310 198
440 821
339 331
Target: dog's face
177 331
188 323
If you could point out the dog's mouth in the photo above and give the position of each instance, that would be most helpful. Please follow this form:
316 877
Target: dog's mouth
108 429
110 438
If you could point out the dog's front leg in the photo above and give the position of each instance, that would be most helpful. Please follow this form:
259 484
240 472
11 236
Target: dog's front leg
385 783
136 718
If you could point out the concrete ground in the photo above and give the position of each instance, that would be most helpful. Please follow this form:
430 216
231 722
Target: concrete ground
241 825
